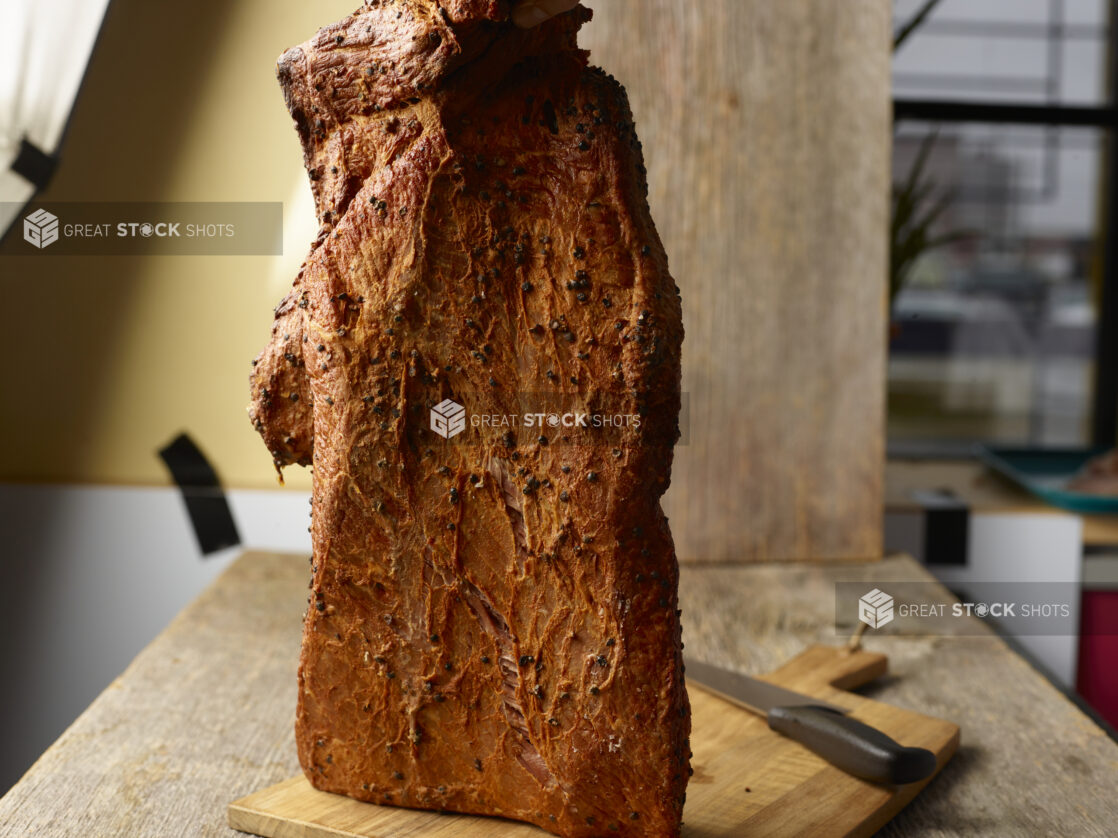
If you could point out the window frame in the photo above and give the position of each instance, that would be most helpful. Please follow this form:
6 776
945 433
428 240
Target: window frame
1104 408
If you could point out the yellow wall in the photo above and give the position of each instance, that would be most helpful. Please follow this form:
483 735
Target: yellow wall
109 358
766 126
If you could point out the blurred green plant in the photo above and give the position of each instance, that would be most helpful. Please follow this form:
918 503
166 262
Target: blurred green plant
915 213
914 23
916 209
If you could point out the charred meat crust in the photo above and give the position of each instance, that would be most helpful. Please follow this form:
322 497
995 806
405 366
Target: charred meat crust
492 624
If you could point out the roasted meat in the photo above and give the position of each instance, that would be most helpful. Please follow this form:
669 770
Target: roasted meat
492 625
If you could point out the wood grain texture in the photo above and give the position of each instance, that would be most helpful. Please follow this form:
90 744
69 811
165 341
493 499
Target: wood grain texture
766 130
207 707
748 780
204 715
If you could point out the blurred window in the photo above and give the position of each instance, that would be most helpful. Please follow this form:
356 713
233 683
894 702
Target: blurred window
998 263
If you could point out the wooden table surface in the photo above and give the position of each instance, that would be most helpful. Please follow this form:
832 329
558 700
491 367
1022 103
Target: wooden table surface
204 714
984 491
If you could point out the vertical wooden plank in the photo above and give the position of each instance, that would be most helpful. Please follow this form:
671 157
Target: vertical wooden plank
766 128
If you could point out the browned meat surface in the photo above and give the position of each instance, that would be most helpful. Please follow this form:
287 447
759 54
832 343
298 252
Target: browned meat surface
492 625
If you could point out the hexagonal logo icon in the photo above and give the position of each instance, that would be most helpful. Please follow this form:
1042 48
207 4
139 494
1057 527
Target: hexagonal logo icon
875 609
448 419
40 229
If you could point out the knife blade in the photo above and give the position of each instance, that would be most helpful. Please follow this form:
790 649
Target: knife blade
752 694
824 728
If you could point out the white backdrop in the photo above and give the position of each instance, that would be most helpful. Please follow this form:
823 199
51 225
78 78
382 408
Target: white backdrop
44 49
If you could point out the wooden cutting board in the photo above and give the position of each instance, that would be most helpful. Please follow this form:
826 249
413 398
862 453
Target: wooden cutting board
748 780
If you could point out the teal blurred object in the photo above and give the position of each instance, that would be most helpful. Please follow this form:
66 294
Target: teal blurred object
1046 472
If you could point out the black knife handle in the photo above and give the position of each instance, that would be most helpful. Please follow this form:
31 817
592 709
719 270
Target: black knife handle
853 746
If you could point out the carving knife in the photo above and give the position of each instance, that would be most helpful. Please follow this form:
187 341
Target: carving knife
821 727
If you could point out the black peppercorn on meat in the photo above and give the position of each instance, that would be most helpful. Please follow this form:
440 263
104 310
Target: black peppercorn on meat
492 625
